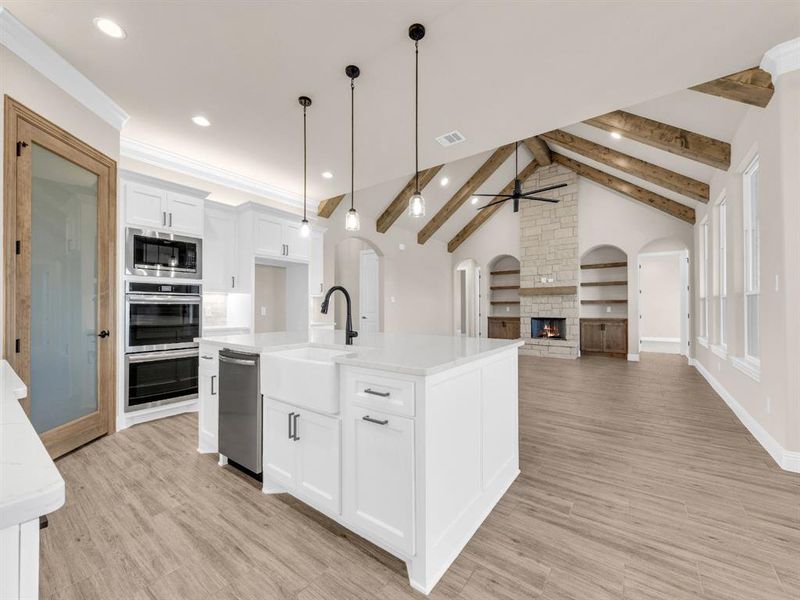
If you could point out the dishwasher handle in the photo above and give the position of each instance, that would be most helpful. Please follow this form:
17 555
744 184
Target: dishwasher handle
237 361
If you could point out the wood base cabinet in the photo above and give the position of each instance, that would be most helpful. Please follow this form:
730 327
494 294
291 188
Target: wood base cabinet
504 328
607 337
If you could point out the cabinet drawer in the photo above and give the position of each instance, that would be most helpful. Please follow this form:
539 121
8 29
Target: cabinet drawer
381 393
209 361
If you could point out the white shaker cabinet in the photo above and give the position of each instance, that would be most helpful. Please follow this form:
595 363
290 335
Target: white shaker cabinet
379 476
220 258
268 236
301 453
154 204
184 214
208 393
316 280
145 206
297 246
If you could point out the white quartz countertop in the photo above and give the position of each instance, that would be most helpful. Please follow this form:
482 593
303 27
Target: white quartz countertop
30 484
420 355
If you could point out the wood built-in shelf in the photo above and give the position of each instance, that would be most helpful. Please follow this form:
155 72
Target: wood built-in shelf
509 272
602 283
604 301
505 302
504 287
608 265
557 290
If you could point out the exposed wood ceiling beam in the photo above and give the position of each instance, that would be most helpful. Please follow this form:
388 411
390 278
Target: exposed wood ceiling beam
497 158
672 208
483 215
326 207
400 203
666 137
632 166
539 149
751 86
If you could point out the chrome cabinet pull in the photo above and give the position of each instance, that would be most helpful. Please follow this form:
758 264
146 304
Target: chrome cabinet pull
233 281
376 421
291 436
164 218
296 437
170 219
374 393
207 357
213 393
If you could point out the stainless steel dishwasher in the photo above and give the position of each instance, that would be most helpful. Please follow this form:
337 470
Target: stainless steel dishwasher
240 409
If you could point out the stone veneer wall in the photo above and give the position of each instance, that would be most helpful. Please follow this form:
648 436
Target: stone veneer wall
549 249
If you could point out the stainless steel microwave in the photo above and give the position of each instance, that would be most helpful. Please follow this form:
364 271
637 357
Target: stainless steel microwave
159 254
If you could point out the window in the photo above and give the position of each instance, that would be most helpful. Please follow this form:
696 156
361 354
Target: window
703 287
722 265
752 264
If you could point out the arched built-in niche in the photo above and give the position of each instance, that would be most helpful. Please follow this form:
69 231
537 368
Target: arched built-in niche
358 267
504 302
604 282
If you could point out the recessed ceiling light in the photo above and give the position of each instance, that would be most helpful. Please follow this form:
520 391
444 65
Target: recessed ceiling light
110 28
474 200
616 135
444 181
327 175
201 121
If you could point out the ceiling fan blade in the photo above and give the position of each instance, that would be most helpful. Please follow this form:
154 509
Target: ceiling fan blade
493 203
554 201
495 195
548 188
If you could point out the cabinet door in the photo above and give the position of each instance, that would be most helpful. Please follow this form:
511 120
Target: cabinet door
616 337
297 246
513 328
208 417
279 447
145 206
316 268
591 337
268 236
379 477
219 252
184 214
318 464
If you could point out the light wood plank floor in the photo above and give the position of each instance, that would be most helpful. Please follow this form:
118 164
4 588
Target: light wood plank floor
637 482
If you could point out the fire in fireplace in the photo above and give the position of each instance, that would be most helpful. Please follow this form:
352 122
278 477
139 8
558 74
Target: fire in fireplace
549 328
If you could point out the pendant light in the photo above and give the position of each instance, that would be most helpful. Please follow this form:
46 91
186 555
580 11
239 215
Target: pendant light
351 220
305 228
416 204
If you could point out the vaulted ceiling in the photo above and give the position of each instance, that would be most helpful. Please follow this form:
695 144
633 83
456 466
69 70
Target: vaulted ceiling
496 71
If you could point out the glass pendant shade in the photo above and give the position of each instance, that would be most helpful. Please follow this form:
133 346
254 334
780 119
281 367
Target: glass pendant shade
351 221
416 206
305 228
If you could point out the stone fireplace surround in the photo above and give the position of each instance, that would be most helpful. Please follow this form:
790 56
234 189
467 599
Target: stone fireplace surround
549 251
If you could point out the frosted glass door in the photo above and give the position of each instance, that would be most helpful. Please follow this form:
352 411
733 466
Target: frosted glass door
63 291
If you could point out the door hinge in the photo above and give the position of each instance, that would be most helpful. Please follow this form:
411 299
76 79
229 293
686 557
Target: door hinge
18 247
20 146
16 345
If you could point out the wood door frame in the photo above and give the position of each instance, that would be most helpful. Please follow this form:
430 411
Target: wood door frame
71 148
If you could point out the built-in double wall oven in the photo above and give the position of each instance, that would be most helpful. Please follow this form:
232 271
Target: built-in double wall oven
162 321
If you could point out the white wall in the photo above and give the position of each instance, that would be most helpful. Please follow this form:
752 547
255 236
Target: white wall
26 85
660 302
771 401
269 297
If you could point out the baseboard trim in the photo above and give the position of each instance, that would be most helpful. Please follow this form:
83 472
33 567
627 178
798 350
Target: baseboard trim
786 460
633 357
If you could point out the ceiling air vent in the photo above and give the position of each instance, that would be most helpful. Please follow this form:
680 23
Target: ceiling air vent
450 138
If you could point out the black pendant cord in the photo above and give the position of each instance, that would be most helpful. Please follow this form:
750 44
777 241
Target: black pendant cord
516 161
352 141
416 116
305 163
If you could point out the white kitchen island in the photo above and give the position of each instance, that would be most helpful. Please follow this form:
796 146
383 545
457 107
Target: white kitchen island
407 440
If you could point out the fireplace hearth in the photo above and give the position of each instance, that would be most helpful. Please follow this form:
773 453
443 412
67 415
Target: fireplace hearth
550 328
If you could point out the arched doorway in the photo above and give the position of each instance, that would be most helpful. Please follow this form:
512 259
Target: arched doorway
467 298
358 267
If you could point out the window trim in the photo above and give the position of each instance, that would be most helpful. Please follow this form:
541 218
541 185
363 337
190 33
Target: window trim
752 287
703 287
722 272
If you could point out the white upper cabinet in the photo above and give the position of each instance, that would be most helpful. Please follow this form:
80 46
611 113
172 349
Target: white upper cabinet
297 246
220 259
184 214
144 206
268 236
316 281
152 207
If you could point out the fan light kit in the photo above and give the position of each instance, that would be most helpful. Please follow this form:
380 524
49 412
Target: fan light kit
305 228
517 194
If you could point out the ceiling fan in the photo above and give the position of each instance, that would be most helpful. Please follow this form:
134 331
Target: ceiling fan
518 195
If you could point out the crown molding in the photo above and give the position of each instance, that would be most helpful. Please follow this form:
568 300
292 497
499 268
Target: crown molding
24 43
781 59
153 155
